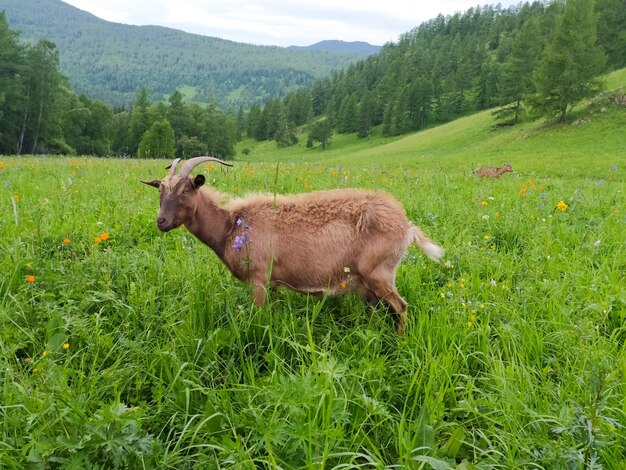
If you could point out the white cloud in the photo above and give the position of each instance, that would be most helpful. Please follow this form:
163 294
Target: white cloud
281 22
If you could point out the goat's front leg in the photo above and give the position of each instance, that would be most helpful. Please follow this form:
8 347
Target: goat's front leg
259 294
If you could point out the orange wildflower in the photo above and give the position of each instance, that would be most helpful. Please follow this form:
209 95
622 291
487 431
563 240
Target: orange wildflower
98 240
30 278
104 236
343 284
66 241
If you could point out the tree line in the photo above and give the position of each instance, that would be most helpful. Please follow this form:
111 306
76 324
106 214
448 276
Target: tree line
111 61
536 59
39 112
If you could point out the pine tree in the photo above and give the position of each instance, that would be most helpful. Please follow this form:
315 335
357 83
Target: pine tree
570 64
612 30
253 123
516 80
320 132
178 116
11 86
139 121
286 133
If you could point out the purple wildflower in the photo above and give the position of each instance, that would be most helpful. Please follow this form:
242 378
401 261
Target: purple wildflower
240 240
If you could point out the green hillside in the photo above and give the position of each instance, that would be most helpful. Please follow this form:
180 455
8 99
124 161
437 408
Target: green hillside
475 140
111 61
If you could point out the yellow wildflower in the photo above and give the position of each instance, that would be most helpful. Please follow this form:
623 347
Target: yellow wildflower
562 206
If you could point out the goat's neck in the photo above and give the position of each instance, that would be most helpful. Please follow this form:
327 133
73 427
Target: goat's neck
210 223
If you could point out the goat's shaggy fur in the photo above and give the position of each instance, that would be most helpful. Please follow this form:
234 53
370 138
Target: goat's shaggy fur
336 241
491 172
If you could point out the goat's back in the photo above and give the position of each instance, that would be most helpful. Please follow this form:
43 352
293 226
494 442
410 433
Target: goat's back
313 235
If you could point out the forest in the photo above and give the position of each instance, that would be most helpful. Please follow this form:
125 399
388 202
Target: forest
111 61
533 59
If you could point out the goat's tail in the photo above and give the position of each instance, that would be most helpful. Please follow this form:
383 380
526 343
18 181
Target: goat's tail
433 251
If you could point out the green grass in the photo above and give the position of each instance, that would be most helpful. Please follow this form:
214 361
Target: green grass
514 356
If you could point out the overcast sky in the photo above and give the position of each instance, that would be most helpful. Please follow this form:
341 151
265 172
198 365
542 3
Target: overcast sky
282 22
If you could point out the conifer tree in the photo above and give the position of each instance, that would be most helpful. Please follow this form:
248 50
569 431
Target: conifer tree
11 87
571 62
139 121
516 80
320 132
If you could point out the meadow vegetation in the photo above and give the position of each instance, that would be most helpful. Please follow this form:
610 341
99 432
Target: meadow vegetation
126 347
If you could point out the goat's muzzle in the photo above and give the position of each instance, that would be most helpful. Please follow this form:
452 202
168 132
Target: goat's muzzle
164 225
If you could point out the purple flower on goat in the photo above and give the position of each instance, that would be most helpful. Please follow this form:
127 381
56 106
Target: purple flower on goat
240 240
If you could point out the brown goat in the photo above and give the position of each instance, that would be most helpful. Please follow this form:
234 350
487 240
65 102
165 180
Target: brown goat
490 172
336 241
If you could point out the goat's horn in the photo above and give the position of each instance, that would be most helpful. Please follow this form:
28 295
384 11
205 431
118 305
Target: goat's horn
190 164
172 167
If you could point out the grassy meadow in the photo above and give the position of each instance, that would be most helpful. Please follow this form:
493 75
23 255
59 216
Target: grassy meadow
123 347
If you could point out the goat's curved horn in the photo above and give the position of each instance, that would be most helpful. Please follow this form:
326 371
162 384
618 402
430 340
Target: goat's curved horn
190 164
172 167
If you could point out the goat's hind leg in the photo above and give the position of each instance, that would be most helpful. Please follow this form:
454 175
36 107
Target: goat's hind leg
386 293
398 306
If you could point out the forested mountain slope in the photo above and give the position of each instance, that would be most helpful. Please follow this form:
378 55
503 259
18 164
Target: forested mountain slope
356 47
111 61
521 58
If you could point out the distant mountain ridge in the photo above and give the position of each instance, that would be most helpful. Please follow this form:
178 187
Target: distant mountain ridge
111 61
360 48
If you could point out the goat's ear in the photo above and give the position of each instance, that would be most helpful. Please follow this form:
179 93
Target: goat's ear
198 181
155 183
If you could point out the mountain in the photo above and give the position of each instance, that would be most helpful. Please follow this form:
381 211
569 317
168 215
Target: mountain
362 49
111 61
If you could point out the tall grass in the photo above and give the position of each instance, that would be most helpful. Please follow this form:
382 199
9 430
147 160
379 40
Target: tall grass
125 347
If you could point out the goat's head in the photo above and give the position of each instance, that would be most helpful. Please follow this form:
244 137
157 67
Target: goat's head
177 191
507 167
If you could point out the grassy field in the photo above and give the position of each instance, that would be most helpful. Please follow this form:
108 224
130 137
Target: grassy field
125 347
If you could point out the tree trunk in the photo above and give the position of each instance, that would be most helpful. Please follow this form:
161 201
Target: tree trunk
20 142
563 111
